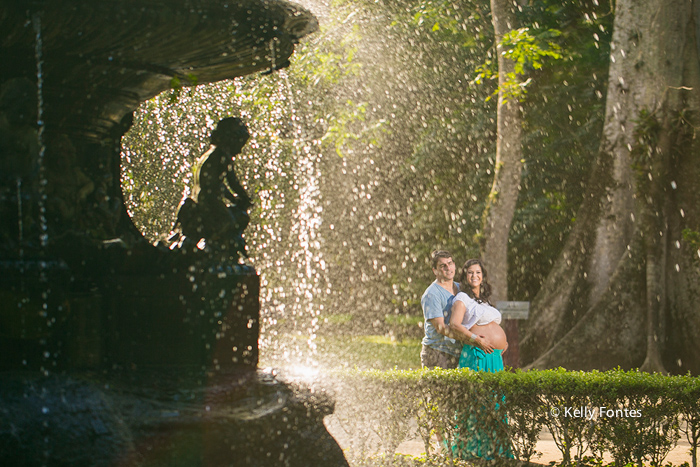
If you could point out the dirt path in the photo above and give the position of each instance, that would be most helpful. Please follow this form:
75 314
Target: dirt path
550 452
545 446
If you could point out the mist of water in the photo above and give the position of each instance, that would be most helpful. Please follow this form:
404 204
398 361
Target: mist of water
372 149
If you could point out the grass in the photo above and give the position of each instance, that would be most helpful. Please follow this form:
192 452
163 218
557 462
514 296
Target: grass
369 352
343 342
337 351
403 320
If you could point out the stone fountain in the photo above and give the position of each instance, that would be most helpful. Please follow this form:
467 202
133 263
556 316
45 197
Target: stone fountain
114 351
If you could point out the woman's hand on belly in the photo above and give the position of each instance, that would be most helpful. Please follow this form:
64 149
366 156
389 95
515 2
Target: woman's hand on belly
483 343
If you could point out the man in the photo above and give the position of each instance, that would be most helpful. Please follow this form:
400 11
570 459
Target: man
439 351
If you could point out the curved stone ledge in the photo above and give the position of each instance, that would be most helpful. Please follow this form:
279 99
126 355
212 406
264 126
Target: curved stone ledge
87 420
102 59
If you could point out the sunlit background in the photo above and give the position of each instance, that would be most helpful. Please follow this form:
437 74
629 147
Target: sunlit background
375 147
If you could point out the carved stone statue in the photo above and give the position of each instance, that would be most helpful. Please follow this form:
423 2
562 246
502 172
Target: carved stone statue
217 211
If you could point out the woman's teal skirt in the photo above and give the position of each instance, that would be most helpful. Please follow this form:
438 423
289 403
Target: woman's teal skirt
472 438
478 360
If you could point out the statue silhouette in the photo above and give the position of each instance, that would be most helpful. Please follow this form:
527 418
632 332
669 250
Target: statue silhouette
217 210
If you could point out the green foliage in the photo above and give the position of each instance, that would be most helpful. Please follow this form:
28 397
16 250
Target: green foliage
327 63
528 52
338 134
635 416
647 130
445 19
177 86
649 437
692 237
686 399
389 87
564 113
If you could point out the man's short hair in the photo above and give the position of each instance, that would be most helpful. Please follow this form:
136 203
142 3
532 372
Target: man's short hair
436 255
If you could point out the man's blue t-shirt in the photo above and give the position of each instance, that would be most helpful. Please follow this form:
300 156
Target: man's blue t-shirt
437 303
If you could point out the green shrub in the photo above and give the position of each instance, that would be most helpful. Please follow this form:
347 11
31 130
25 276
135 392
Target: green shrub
636 417
641 420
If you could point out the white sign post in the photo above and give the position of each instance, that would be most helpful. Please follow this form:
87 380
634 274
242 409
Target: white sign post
514 310
511 311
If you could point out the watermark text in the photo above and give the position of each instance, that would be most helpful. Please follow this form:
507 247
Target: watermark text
591 413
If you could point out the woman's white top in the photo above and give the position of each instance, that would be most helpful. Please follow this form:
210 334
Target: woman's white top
477 313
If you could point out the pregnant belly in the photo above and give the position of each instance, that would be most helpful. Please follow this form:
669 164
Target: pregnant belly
493 333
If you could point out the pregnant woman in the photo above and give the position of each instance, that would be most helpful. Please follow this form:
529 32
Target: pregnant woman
477 323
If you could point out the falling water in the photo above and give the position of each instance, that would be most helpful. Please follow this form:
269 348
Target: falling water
20 224
308 257
20 238
289 302
41 191
38 54
273 57
41 202
280 165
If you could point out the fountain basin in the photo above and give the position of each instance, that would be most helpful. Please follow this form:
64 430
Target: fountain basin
246 419
115 351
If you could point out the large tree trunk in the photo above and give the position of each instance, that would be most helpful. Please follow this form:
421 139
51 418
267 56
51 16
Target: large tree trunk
625 281
500 207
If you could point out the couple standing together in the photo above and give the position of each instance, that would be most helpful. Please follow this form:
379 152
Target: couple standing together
462 329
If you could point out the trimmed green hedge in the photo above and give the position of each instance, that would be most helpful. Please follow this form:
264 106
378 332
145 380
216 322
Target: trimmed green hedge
636 417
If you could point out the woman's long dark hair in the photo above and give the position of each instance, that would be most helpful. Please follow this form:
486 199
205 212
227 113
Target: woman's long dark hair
485 291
